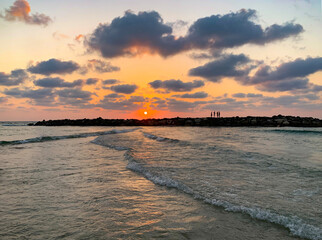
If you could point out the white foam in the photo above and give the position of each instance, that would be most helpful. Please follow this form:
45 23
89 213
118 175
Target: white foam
296 226
159 139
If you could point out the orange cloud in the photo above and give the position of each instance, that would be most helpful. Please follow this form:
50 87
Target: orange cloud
79 37
20 11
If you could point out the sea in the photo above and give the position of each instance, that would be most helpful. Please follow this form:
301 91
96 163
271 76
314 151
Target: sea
73 182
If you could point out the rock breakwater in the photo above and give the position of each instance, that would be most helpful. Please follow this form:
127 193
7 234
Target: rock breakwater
275 121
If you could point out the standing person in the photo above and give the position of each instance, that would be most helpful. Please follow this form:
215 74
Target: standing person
211 114
214 114
218 114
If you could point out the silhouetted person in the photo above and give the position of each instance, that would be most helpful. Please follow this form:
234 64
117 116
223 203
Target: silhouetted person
218 114
214 114
211 114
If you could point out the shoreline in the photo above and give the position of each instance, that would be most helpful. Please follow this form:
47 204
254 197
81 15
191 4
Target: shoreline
250 121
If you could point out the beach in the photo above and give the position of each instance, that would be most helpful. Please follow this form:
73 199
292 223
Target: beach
160 182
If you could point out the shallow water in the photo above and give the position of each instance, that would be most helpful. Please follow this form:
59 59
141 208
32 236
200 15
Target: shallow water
160 182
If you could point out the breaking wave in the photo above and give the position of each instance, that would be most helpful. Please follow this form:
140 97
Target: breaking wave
296 131
159 139
55 138
294 224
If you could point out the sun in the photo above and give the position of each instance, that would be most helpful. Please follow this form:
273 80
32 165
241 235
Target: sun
145 113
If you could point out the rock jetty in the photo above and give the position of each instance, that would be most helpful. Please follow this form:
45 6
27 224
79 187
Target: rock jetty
275 121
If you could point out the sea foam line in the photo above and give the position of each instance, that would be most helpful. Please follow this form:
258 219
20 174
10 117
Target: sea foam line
294 224
55 138
159 139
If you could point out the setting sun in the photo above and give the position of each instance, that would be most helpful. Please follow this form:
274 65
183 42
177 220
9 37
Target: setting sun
145 113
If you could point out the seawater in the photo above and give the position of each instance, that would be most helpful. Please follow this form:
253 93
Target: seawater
160 182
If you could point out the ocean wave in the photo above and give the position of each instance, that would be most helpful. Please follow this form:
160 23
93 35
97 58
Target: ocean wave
14 124
159 139
294 224
297 226
296 131
55 138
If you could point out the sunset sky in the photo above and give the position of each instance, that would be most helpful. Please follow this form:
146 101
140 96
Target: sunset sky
186 58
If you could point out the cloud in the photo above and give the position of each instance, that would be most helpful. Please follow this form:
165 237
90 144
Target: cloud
130 104
91 81
3 100
176 85
110 81
236 29
29 93
225 66
54 66
16 77
287 76
125 88
254 95
79 37
193 95
101 66
146 32
248 95
284 85
75 97
180 106
133 34
113 95
317 88
20 11
59 36
75 93
239 95
298 68
57 83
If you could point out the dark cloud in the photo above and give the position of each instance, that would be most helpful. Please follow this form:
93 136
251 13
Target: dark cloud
75 94
159 103
3 100
236 29
57 83
311 97
199 56
145 32
20 11
248 95
110 81
113 95
138 99
54 66
239 95
16 77
225 66
298 68
180 106
176 85
254 95
285 77
29 93
125 88
284 85
101 66
317 88
193 95
132 34
131 104
91 81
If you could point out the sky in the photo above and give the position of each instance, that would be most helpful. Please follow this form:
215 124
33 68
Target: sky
171 58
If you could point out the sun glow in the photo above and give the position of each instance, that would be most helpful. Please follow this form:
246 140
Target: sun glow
145 113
